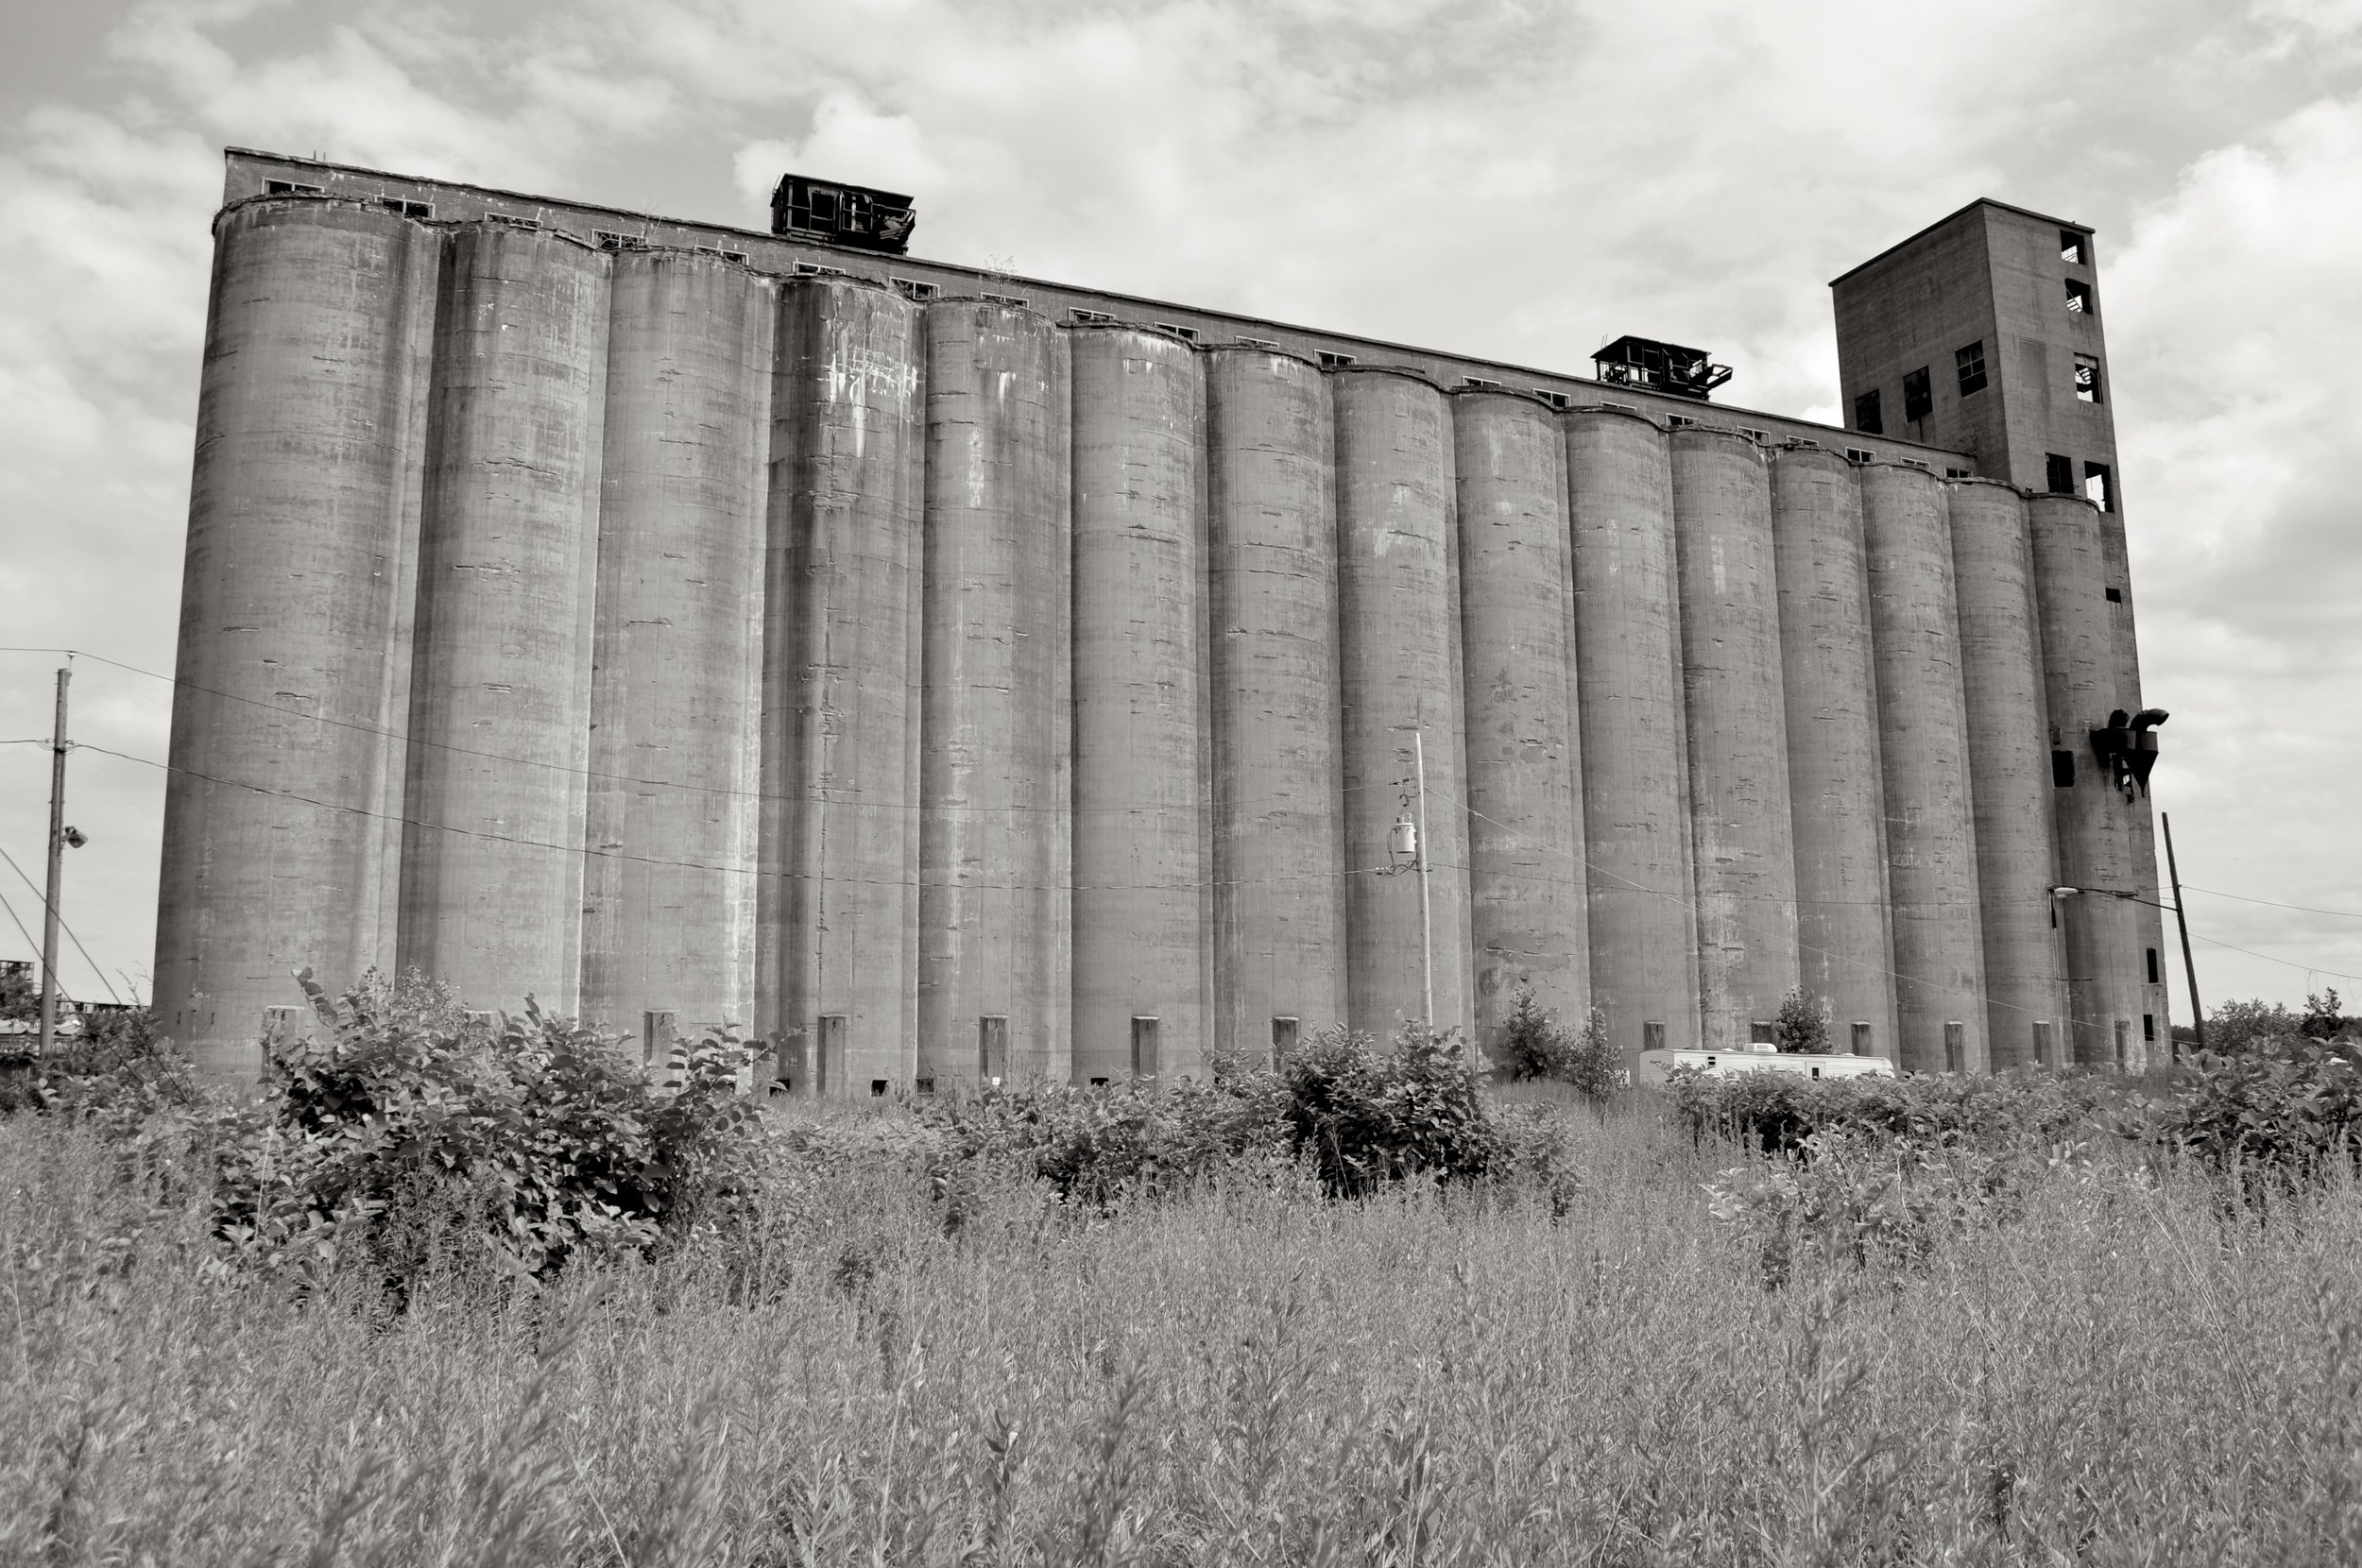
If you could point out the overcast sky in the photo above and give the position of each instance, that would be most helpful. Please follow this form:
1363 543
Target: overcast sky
1515 179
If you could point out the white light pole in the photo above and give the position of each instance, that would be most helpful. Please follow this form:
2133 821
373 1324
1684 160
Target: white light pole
1410 839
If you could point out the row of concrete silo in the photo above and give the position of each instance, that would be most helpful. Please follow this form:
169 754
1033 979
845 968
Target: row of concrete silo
950 693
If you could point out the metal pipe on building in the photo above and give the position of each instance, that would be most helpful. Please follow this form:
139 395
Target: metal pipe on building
1644 939
2104 961
1528 903
500 721
669 888
1743 847
2001 671
1143 848
837 957
1398 654
995 979
1279 926
1931 830
1837 787
281 840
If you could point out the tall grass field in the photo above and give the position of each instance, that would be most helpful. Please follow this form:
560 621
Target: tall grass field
2006 1324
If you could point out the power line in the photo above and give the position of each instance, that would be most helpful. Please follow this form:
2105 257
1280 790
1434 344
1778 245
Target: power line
2274 903
2269 958
69 930
30 945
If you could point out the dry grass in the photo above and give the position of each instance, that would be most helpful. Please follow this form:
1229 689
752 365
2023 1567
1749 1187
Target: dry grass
1247 1375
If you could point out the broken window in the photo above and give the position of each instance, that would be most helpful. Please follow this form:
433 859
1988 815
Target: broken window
1760 437
2078 298
2071 249
2087 379
1970 363
407 209
2059 473
1337 362
1188 335
913 289
2099 486
2116 595
1861 454
2062 777
1919 396
1865 418
1957 473
1014 300
1082 318
717 250
288 187
1477 384
1259 343
1914 463
1556 399
1678 421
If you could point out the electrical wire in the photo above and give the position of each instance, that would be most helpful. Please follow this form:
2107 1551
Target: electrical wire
30 945
2273 903
69 930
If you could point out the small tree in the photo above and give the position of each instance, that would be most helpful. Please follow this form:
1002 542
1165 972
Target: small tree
2237 1025
2322 1021
1593 1065
1532 1045
1800 1028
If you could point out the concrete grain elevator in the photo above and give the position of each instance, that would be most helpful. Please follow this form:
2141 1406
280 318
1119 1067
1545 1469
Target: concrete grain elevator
955 677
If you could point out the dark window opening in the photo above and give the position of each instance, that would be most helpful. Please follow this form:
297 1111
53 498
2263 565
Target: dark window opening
2062 770
407 209
1866 417
1760 437
1337 362
1082 318
913 289
1188 335
2087 380
1556 399
2078 298
2148 1026
1969 365
1144 1053
813 270
1283 1039
1862 1038
1914 463
2153 978
923 1085
288 187
877 1089
717 250
2099 486
823 205
992 1047
512 220
1861 454
2071 249
1098 1082
1958 473
1477 384
2116 596
1678 421
1018 300
2060 473
1653 1036
827 1064
1919 395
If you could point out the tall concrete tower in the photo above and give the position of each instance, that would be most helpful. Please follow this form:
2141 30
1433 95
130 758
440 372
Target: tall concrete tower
1983 334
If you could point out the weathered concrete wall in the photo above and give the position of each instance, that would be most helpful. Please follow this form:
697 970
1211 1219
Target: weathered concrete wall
1398 654
2009 759
996 861
669 886
1280 923
2095 821
295 619
1143 847
1528 902
842 664
1732 698
1836 785
2140 825
1644 941
492 875
1931 830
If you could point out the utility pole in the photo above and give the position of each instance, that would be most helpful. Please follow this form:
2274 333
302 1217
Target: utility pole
1426 913
2189 967
56 874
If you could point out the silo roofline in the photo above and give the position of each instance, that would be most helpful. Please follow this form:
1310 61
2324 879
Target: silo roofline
1948 218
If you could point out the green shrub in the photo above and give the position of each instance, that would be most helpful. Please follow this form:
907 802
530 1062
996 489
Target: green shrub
1366 1118
1099 1146
411 1131
1801 1027
119 1071
2278 1114
1779 1113
1536 1047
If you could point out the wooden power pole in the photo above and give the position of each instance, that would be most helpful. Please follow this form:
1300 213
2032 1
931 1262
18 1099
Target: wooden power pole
2189 967
56 874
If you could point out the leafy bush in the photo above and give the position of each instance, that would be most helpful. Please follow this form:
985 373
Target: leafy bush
1801 1027
119 1071
1098 1147
1365 1117
1780 1112
2282 1115
1535 1046
412 1130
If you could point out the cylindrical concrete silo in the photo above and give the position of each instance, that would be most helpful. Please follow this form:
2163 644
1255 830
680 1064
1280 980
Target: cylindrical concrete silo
1837 787
1922 711
2104 959
1398 643
995 979
1143 847
1731 695
1279 942
1644 941
2009 761
836 959
1527 901
2153 1037
669 891
500 721
295 618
